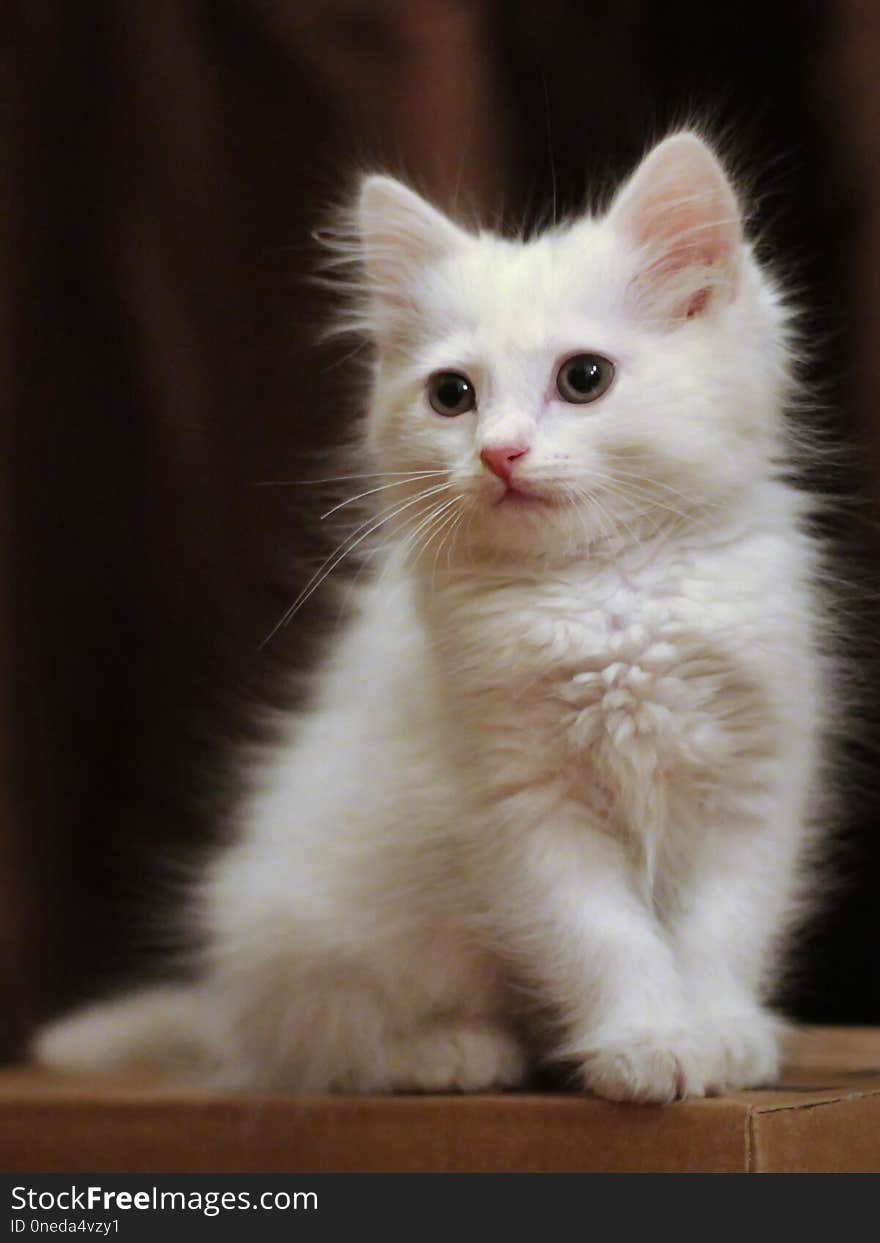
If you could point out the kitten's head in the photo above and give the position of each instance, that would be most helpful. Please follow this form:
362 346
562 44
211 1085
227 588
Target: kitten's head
607 376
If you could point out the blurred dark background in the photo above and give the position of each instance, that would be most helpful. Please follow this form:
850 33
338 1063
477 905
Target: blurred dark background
162 166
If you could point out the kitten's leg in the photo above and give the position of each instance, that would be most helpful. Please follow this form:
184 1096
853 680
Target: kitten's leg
346 1028
463 1056
442 1055
585 936
727 939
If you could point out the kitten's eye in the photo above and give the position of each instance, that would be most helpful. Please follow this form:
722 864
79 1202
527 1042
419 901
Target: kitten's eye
584 378
451 393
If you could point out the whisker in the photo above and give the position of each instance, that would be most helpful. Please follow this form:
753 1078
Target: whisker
441 524
627 492
449 531
378 474
650 483
341 552
581 516
437 523
397 506
607 523
423 521
397 483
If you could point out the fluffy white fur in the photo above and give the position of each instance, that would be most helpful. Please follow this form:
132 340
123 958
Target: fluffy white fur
551 798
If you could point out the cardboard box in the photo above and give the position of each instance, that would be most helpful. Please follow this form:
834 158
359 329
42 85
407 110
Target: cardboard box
824 1116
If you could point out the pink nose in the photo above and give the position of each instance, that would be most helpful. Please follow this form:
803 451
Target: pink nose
500 459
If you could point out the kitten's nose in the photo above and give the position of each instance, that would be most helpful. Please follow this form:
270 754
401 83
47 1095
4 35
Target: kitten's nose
500 459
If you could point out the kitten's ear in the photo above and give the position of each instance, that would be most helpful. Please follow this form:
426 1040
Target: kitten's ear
400 235
679 208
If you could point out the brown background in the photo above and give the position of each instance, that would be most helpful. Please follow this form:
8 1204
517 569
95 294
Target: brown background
163 164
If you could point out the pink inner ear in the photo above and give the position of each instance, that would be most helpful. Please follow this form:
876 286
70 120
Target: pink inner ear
684 231
680 208
697 302
400 235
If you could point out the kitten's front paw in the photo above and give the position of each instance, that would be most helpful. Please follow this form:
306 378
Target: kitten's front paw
463 1057
744 1050
646 1067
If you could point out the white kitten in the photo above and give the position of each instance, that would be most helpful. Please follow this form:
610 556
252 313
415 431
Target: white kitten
550 800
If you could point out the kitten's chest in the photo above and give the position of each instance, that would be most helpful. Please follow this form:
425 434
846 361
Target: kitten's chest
620 672
611 630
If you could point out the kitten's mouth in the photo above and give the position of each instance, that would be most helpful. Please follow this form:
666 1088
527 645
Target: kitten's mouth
516 496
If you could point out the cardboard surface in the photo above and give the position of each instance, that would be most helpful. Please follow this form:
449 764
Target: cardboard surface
823 1117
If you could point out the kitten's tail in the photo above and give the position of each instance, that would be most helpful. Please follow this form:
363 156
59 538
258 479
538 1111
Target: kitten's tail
164 1028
